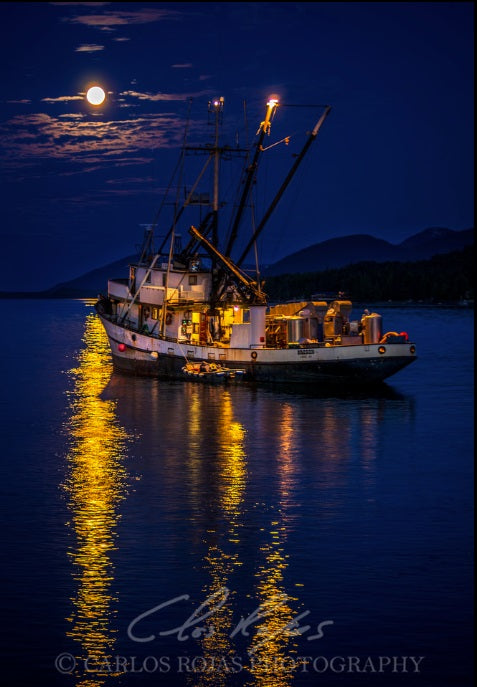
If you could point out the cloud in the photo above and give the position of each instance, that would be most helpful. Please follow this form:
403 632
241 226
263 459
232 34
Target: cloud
36 138
186 65
98 164
127 181
62 99
25 101
123 18
85 4
89 48
155 97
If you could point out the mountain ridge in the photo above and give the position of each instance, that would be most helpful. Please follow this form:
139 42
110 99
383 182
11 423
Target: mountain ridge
348 250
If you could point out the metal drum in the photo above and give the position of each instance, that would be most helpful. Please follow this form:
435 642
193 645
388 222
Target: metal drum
295 328
372 328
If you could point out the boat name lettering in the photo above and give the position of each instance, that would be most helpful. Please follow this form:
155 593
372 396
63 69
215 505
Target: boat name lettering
306 351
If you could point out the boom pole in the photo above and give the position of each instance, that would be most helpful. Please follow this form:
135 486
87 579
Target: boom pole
249 289
283 187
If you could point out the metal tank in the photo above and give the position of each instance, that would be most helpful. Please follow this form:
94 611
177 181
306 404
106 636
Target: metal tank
295 329
372 328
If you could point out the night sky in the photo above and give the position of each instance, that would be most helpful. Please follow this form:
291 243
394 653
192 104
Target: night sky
78 182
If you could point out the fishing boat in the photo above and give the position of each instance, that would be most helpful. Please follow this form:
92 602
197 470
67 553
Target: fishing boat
183 305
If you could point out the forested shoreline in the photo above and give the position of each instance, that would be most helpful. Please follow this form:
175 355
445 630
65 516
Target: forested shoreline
443 278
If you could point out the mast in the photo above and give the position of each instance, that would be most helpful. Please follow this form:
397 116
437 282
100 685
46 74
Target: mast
312 136
215 152
218 106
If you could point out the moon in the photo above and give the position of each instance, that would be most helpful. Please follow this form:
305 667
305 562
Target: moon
95 95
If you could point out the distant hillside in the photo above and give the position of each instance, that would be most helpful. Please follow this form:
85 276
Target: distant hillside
88 285
349 250
92 283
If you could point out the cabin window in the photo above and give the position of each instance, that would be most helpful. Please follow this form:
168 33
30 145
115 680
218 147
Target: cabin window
192 279
164 279
148 277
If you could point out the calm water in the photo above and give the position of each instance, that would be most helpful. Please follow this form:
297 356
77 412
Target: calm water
131 504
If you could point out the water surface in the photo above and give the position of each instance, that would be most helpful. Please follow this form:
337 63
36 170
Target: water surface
336 527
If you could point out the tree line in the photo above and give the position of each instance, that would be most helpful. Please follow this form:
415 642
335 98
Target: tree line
442 278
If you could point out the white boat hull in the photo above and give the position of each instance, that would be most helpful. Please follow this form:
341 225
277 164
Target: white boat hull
144 355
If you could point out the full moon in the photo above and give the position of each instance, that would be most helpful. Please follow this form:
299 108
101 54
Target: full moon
95 95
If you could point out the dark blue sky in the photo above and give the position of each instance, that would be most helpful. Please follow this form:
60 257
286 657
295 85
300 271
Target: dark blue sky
394 157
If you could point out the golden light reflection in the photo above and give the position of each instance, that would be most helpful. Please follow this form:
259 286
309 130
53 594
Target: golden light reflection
273 648
270 644
223 542
95 485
